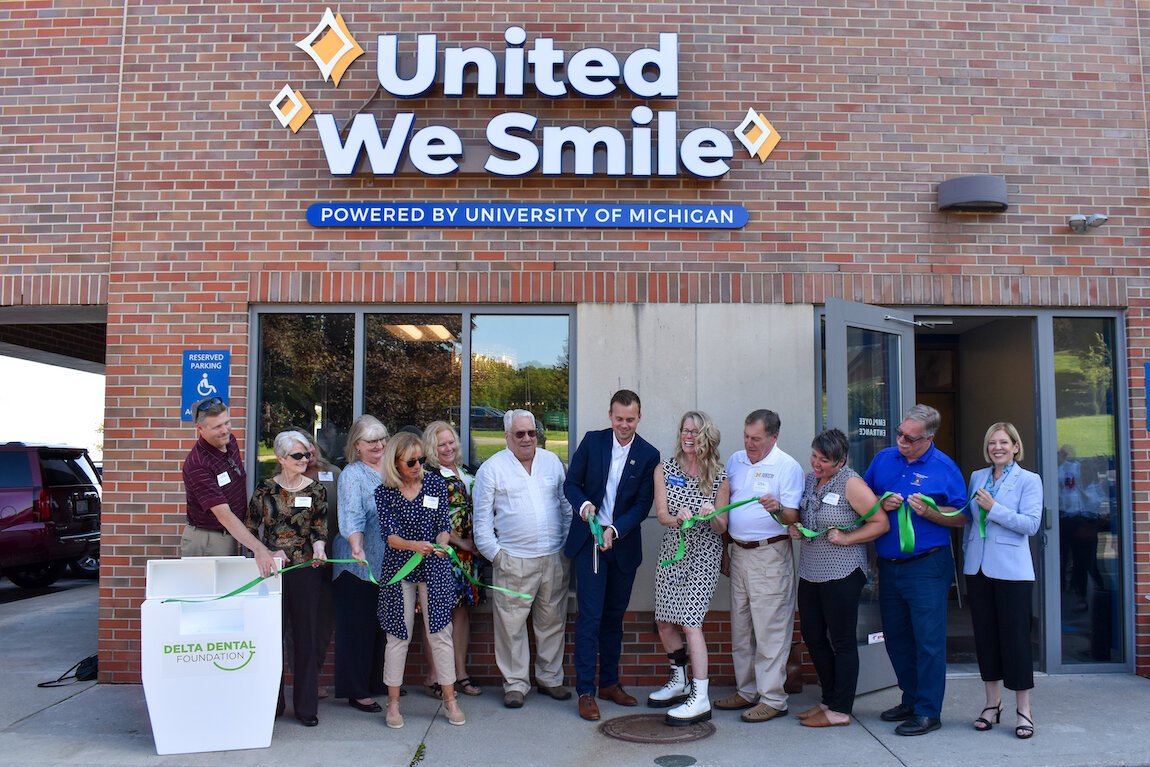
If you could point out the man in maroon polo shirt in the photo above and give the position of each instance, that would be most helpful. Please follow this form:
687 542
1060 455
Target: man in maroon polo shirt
216 485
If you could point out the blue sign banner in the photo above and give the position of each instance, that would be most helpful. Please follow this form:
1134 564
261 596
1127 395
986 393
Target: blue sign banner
525 215
205 374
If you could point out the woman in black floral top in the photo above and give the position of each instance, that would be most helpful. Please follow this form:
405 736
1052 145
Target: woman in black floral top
288 513
441 446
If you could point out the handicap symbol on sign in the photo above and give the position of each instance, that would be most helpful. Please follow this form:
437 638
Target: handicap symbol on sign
204 387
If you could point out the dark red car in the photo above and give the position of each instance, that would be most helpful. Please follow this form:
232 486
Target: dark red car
49 513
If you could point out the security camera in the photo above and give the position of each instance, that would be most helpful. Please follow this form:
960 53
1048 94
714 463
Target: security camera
1080 223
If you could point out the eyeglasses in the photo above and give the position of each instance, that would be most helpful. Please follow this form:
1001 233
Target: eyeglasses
376 441
412 461
524 433
689 432
299 456
210 402
909 439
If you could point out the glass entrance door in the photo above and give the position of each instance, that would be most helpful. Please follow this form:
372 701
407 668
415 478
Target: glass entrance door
870 383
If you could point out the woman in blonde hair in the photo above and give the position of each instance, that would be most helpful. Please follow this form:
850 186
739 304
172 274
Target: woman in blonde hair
441 446
413 518
1005 510
689 484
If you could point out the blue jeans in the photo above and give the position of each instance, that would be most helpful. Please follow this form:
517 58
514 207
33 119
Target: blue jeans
912 600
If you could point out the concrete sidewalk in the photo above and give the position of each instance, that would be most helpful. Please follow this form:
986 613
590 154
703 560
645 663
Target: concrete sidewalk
1080 720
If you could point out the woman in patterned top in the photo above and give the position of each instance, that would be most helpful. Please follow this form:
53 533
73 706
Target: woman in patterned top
832 573
689 484
288 513
413 515
441 446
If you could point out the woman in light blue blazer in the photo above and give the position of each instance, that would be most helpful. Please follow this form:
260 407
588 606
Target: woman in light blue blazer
1005 510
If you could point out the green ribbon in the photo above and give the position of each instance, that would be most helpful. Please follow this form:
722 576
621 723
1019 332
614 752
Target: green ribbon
417 557
807 533
982 522
596 529
681 550
281 571
906 525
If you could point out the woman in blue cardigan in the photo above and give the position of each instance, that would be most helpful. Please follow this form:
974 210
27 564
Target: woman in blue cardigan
1005 510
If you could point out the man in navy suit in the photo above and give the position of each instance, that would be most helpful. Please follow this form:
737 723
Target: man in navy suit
611 480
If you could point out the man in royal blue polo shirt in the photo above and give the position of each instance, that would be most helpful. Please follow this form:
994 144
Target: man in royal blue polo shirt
915 565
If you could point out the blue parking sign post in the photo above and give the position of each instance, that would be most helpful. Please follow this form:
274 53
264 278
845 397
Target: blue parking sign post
205 374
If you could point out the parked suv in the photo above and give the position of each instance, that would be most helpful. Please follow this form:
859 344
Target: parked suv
49 513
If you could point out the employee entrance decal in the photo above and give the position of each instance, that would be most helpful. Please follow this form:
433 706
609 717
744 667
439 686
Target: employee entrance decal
651 144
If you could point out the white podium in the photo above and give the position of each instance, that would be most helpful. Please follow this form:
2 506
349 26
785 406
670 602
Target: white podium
211 670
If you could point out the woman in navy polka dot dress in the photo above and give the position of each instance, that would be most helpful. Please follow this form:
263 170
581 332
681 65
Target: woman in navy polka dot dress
413 515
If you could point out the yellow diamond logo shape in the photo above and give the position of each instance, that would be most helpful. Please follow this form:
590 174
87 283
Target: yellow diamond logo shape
290 108
331 46
757 134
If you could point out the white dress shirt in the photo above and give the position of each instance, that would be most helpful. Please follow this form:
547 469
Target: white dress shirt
619 455
776 474
523 514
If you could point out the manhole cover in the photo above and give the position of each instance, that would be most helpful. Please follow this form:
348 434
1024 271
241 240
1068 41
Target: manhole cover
650 728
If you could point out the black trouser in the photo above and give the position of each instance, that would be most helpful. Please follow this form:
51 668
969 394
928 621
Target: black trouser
1000 612
359 640
301 593
828 615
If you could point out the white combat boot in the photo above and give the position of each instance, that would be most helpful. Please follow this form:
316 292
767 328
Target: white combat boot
697 707
674 691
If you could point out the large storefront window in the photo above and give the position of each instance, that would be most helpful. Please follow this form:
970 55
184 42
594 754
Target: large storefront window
518 361
305 381
1089 507
463 367
412 368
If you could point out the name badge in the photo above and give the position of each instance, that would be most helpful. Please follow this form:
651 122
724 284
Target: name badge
302 502
326 476
831 499
223 478
430 502
761 485
676 481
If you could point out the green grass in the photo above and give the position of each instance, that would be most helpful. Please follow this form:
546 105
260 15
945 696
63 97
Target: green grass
488 443
1091 435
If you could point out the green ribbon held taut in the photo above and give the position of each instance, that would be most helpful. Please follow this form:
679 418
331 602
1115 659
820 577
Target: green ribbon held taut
282 570
681 550
417 557
906 523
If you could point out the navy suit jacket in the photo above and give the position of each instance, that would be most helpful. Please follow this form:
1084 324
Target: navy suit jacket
587 481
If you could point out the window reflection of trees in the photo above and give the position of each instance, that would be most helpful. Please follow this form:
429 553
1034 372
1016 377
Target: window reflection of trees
412 368
305 372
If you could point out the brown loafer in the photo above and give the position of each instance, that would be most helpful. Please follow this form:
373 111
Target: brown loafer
812 711
616 694
588 708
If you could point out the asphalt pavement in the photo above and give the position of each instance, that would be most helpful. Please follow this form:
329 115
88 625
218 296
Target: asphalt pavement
1080 720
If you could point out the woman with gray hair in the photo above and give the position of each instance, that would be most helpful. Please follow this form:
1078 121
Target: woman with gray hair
359 639
288 513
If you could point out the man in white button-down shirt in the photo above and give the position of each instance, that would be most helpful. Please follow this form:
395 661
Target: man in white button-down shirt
520 522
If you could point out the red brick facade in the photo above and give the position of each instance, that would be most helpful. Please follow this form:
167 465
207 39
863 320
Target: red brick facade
144 171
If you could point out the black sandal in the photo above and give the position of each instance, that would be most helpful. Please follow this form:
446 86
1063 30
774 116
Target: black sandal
1024 731
433 690
467 687
982 724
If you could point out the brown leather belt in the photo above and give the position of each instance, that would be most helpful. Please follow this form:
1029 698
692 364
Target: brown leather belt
757 544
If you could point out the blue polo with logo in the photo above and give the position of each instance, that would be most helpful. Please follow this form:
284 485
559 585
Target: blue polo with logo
933 473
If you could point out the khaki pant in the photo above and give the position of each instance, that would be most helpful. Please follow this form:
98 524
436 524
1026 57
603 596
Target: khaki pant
442 649
197 542
762 620
546 578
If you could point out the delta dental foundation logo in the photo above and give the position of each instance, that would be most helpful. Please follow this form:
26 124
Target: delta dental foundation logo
591 72
223 655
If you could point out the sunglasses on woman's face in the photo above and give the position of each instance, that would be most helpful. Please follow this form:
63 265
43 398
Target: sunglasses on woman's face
300 456
412 461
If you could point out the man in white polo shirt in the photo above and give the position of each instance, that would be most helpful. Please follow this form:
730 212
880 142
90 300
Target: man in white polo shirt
762 568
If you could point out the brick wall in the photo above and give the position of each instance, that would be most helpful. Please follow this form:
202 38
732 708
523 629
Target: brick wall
146 172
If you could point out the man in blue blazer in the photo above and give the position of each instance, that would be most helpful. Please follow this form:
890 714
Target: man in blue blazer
610 480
